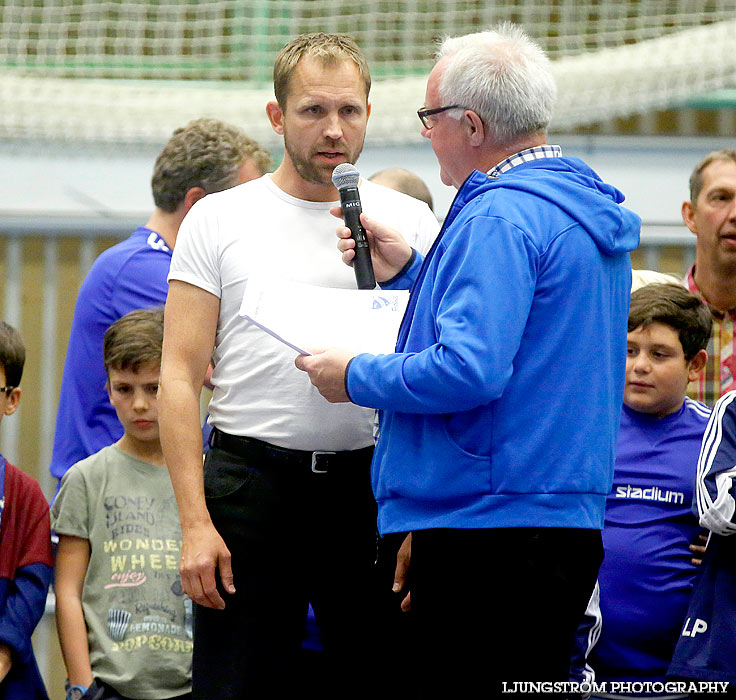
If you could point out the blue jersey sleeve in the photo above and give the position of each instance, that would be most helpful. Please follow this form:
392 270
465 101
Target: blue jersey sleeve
24 606
25 562
715 496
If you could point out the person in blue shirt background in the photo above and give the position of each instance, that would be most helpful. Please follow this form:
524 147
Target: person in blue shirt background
650 534
204 156
706 648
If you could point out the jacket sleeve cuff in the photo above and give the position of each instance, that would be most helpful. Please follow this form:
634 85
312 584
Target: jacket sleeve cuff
347 369
404 279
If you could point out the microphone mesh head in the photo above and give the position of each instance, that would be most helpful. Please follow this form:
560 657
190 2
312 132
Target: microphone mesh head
345 175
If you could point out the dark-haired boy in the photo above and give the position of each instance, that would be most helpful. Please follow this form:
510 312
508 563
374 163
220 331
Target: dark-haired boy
25 547
647 574
124 622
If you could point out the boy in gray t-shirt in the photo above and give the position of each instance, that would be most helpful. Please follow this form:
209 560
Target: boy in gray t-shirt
124 622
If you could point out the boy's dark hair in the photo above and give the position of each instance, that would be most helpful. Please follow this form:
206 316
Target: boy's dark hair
674 306
134 340
12 354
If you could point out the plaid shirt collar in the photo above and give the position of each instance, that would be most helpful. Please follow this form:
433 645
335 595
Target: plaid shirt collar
693 289
525 156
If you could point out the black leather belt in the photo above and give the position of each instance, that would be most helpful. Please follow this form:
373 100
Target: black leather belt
319 462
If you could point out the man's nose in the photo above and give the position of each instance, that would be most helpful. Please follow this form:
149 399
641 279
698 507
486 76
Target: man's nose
333 127
732 210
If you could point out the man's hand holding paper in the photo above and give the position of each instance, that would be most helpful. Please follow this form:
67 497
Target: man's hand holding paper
326 369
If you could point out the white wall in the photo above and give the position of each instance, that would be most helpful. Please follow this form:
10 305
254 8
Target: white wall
71 181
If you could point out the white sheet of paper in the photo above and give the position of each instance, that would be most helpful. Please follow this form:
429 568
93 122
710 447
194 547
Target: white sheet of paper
304 316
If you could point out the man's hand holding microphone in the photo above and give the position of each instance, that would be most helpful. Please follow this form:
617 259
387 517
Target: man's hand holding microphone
368 246
376 252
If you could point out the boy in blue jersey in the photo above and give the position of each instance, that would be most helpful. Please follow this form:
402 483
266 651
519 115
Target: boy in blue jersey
647 574
706 649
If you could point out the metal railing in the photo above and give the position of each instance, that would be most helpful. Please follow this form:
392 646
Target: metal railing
43 262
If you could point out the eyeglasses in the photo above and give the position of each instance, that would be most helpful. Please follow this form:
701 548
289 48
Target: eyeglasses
425 114
6 389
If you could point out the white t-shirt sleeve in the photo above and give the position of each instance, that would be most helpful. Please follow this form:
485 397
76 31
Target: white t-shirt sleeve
196 255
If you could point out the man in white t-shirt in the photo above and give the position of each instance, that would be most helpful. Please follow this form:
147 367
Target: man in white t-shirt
284 514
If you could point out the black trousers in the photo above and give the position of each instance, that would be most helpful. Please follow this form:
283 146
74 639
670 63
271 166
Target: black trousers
295 537
498 606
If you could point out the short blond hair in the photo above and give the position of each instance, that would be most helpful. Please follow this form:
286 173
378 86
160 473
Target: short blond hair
329 48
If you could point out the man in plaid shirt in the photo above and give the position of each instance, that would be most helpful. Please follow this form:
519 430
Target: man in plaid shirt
710 214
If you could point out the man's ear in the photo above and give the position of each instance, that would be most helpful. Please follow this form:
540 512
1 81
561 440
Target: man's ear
688 216
475 127
11 404
275 116
194 194
696 364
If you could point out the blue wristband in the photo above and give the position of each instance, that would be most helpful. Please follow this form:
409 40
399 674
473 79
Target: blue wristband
71 695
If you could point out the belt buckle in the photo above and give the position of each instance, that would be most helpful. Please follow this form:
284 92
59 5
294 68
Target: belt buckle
315 468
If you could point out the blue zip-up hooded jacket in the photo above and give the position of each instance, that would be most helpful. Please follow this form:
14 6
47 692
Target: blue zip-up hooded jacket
500 407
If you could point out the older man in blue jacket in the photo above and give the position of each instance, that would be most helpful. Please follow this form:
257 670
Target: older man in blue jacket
499 409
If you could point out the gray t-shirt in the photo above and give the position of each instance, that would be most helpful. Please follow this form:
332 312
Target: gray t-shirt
138 617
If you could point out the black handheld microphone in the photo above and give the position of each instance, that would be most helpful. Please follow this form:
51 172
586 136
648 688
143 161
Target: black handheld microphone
345 177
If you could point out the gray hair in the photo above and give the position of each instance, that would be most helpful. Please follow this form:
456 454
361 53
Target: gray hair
503 76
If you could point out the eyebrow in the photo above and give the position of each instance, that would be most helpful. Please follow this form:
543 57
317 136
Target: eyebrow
315 100
658 346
